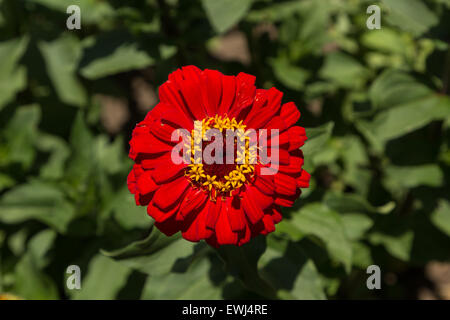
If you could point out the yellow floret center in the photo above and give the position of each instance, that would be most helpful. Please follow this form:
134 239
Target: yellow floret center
221 180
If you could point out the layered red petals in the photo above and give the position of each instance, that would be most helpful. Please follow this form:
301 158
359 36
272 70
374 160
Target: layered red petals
191 94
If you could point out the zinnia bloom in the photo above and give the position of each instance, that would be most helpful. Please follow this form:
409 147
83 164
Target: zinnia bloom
220 203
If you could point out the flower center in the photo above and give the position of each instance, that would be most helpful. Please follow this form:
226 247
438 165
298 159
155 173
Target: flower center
221 179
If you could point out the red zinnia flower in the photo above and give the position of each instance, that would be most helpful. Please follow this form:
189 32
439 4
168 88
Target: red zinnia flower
221 203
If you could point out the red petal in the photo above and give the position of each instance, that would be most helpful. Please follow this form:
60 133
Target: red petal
169 227
213 214
303 180
228 94
145 183
287 201
196 230
194 200
268 112
169 94
212 91
168 172
269 226
265 184
294 167
236 215
285 184
251 208
224 233
193 96
297 137
170 194
290 114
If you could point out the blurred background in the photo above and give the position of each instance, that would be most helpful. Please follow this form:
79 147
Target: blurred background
375 104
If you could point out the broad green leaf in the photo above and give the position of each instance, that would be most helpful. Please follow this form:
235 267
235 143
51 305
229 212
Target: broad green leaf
389 41
111 156
356 225
344 70
291 76
403 119
59 152
399 246
155 255
393 88
441 217
414 176
194 284
30 282
21 134
17 241
317 137
362 256
350 202
411 15
128 214
104 278
242 262
225 14
285 266
36 200
5 181
82 143
62 57
113 53
40 245
276 11
320 221
12 76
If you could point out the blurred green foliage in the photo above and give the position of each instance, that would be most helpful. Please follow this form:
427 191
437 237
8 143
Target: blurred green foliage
375 104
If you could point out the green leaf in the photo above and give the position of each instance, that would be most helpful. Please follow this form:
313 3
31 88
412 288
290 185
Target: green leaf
30 282
289 75
411 15
362 256
12 76
105 277
62 57
242 261
276 11
225 14
194 284
113 53
5 181
82 144
59 152
356 225
403 119
318 220
127 213
155 255
410 177
389 41
36 200
21 133
393 88
285 266
344 70
441 217
351 202
399 246
317 137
